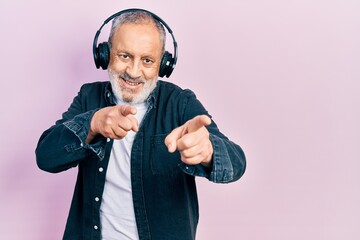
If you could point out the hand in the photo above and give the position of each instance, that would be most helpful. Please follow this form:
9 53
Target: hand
193 141
113 122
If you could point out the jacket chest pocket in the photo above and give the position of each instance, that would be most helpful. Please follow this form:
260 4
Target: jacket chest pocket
161 161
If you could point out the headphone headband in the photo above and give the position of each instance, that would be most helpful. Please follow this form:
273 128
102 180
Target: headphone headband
102 53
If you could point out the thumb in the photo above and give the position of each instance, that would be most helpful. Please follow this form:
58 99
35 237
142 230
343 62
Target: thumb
198 122
171 139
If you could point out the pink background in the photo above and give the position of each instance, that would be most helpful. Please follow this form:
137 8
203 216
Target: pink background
280 77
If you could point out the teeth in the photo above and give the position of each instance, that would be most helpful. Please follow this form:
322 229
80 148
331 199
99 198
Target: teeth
132 83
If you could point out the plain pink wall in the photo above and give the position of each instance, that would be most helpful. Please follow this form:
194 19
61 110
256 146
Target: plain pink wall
281 78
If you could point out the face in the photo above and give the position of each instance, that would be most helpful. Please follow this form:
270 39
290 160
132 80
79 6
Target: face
134 61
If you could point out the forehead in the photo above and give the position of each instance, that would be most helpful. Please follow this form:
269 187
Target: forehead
140 37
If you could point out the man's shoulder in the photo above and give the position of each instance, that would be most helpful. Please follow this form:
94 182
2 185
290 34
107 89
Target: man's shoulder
169 88
95 85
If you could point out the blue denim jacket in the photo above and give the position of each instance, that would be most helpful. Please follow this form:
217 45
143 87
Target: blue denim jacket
163 187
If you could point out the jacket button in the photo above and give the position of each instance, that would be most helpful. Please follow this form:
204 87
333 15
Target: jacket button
101 169
97 199
96 227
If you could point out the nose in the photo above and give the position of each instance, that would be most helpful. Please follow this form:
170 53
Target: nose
134 69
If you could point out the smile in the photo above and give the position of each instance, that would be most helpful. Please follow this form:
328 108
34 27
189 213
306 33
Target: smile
131 83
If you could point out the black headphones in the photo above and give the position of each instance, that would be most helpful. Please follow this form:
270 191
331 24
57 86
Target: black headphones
102 52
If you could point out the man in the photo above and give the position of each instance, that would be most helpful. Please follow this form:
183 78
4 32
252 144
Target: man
138 143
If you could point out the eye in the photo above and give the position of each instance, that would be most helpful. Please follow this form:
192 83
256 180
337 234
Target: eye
124 56
148 61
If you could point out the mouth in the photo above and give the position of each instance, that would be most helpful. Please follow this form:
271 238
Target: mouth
131 84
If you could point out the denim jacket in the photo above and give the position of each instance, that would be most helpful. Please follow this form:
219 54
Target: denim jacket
164 192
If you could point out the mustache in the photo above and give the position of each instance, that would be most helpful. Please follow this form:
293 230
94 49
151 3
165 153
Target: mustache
127 77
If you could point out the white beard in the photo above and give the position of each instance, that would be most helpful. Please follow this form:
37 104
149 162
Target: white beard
123 94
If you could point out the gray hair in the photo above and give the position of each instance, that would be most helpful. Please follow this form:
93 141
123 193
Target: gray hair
137 17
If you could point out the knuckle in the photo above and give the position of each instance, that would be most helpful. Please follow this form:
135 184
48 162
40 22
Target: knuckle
126 125
186 143
107 132
204 154
108 122
186 154
111 114
120 133
185 160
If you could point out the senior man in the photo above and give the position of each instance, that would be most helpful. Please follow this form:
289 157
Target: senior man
138 143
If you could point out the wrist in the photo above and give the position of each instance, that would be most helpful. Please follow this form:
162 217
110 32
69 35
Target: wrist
208 162
91 133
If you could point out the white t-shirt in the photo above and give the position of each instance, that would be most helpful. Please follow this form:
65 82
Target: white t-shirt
117 210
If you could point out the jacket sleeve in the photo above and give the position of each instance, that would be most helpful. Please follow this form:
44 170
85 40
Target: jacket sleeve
229 161
63 145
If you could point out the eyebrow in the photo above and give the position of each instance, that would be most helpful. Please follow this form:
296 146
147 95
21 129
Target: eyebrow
146 55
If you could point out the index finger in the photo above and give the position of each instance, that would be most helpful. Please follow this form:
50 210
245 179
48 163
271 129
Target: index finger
198 122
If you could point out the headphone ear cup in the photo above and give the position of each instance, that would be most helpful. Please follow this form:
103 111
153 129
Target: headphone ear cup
103 55
166 65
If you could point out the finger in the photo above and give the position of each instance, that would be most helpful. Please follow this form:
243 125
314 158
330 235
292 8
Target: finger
124 123
190 152
192 139
197 154
203 148
118 133
127 109
187 141
134 123
192 160
170 140
198 122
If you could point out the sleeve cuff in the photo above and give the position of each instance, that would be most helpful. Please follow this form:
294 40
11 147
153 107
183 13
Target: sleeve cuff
80 126
222 169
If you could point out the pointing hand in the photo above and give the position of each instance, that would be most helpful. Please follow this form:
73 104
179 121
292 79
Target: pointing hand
113 122
192 140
